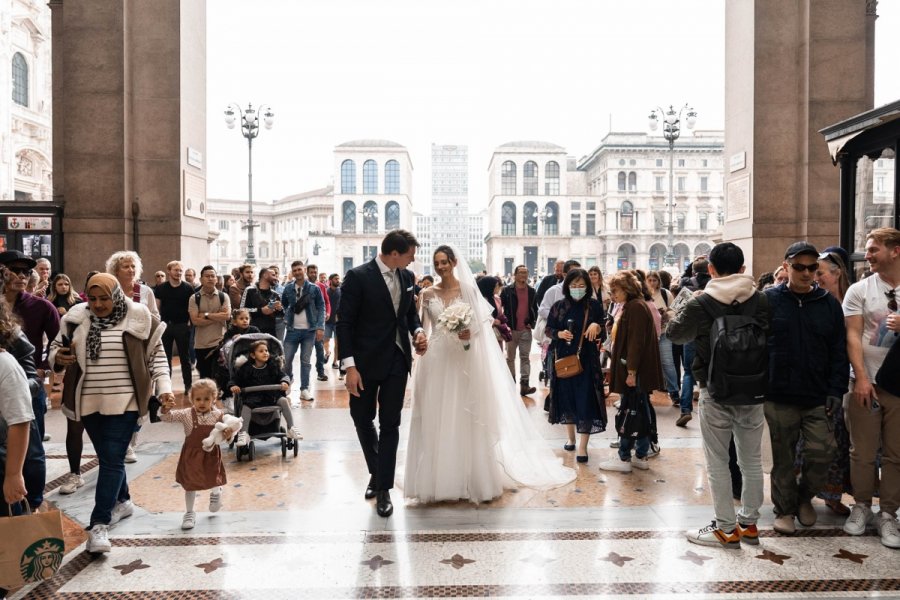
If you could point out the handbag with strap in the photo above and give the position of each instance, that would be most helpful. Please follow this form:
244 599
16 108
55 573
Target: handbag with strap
570 366
32 548
888 375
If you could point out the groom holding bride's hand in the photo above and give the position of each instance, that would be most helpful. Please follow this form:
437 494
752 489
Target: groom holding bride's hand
378 316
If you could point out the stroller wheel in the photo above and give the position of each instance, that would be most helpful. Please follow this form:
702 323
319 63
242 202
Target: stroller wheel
296 448
284 447
251 450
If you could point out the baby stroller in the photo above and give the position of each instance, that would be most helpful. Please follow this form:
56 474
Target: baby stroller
266 421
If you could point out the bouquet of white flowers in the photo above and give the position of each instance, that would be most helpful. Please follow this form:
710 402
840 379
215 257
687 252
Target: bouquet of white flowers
456 318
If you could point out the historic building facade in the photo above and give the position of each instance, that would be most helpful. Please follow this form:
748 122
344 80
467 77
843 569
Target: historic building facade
610 208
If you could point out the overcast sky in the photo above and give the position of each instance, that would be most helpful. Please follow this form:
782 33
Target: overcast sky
473 72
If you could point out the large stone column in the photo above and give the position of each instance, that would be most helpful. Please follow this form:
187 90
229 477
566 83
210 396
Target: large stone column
791 68
129 101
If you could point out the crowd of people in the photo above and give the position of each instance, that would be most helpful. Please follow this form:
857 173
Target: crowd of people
798 354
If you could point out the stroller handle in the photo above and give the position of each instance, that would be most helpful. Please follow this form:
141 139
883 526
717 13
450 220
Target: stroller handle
261 388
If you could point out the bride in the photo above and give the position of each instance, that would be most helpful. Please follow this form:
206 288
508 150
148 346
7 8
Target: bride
470 435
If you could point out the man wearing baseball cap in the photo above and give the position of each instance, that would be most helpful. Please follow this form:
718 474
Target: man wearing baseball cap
808 376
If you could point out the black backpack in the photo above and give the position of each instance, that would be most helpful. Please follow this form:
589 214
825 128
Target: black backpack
738 352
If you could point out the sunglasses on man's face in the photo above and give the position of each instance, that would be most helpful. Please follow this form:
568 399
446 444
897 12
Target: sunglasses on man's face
800 267
892 300
26 271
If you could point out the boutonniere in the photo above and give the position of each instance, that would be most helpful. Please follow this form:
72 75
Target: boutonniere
409 289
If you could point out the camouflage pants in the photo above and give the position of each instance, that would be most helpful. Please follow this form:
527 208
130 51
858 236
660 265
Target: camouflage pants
786 423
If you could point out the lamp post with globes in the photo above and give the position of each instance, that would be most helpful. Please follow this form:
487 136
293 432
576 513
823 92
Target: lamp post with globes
369 217
249 129
671 132
545 216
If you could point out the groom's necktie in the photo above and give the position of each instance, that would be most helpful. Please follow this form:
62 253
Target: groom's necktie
392 279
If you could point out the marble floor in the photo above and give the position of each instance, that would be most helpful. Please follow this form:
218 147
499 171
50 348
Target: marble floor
300 528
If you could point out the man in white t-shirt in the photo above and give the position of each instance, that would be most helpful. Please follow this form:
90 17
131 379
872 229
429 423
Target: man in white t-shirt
873 415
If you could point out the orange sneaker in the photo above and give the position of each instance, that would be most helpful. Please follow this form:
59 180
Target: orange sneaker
711 535
749 534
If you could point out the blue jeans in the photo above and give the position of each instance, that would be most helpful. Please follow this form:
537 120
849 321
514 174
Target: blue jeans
34 471
304 339
641 447
668 365
320 357
110 435
688 381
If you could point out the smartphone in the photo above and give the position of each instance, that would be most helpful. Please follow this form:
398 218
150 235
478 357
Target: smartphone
66 341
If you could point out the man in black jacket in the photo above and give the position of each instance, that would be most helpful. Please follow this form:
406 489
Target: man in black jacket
808 376
263 302
548 282
518 305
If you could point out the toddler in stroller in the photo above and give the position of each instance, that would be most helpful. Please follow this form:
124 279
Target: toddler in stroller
259 385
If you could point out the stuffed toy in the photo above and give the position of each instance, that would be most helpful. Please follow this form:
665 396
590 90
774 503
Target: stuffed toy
217 435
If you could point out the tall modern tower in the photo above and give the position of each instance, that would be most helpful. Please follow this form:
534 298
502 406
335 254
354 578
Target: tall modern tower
450 196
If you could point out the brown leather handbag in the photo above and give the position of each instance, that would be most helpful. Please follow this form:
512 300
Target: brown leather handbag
570 366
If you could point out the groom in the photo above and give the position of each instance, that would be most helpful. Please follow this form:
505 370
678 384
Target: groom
378 315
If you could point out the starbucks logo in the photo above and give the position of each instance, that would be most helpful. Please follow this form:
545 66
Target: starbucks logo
41 560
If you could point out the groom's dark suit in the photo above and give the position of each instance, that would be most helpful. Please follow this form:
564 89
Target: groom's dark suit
368 331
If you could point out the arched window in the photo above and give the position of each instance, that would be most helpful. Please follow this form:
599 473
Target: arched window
657 256
626 217
19 79
392 178
370 217
551 178
529 219
551 219
622 179
530 178
626 257
702 249
348 177
348 218
508 178
508 219
632 182
370 177
681 220
682 256
391 215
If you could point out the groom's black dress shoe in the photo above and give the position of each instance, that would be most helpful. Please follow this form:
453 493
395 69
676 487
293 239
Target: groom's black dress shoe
383 505
370 489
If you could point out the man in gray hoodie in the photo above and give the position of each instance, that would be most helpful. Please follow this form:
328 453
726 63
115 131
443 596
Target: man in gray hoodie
719 421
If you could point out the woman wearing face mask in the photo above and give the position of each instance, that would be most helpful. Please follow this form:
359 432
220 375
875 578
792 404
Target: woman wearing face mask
573 326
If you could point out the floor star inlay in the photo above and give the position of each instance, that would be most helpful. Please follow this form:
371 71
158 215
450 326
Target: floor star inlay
616 559
457 561
851 556
376 562
776 558
131 567
697 559
212 565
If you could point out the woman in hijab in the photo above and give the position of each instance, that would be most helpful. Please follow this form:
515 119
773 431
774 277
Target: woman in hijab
112 352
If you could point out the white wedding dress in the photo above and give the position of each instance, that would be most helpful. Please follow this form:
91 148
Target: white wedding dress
470 434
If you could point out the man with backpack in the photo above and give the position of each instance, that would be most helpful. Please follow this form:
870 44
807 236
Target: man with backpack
728 323
807 381
209 310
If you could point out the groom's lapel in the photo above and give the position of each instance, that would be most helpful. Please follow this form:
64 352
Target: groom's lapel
379 284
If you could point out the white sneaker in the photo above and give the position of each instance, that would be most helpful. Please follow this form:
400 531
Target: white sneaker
98 539
640 463
305 395
215 500
860 517
887 529
616 464
294 433
189 520
121 510
130 456
242 439
73 482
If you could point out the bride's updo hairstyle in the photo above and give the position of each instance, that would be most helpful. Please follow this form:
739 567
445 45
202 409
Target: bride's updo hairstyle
446 250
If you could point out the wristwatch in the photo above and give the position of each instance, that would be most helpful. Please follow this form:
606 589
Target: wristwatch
206 315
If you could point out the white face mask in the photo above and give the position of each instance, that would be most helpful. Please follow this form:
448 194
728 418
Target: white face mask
577 293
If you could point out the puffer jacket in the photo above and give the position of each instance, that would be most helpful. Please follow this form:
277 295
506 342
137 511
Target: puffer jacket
692 323
807 347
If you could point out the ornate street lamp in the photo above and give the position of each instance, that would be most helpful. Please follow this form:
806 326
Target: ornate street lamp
671 132
249 129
